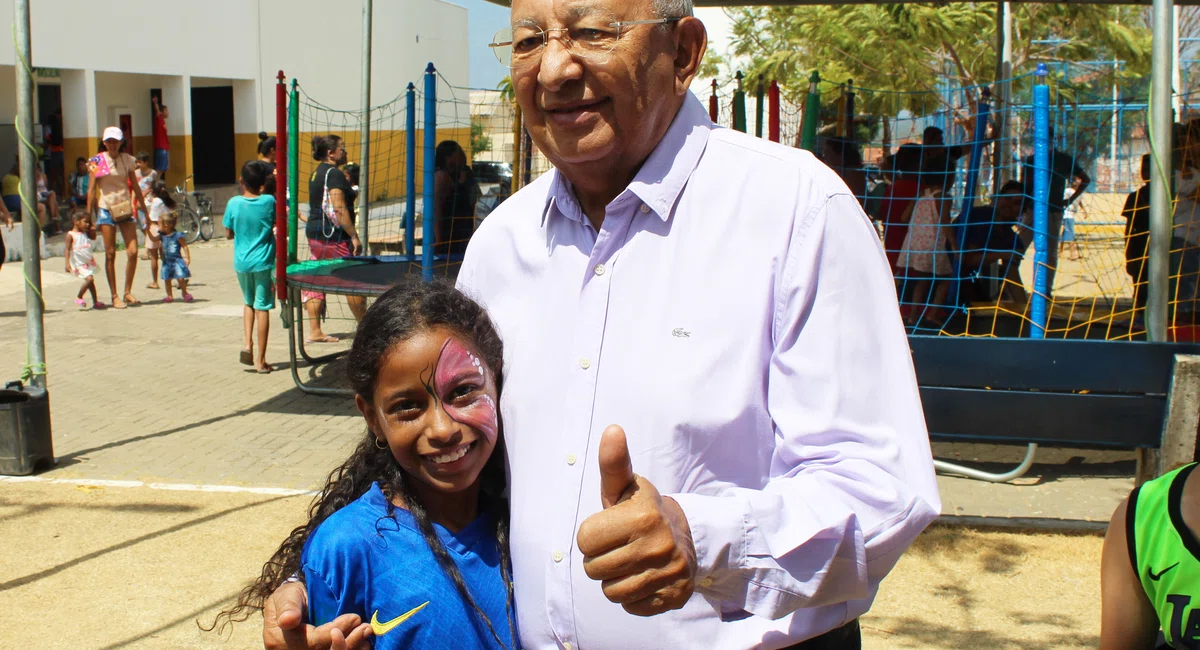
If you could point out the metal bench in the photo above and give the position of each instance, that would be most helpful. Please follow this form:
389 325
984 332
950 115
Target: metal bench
1061 393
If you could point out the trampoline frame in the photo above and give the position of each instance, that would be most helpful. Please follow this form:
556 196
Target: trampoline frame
294 306
288 129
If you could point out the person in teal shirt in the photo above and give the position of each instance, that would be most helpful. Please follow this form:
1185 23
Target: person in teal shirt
250 222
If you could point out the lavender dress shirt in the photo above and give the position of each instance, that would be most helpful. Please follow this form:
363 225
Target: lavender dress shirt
736 315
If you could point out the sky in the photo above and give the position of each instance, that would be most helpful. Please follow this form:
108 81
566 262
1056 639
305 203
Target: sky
485 18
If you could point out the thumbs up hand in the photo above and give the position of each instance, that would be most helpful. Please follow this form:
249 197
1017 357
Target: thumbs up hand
640 546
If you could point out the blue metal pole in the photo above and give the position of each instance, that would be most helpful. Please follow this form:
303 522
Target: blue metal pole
427 207
977 143
410 174
1041 201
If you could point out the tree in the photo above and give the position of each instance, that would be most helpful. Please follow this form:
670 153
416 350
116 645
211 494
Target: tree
905 50
480 142
506 89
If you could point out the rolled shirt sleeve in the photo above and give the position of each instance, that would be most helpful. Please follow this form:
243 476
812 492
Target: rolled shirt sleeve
852 479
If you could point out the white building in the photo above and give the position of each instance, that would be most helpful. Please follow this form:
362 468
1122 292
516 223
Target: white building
215 64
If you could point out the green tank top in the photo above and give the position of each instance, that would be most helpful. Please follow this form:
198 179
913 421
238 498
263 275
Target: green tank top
1166 556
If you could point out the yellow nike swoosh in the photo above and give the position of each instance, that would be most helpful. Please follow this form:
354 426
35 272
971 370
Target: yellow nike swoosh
381 629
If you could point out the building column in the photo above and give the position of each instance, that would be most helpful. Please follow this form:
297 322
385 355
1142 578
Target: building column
81 133
177 95
246 124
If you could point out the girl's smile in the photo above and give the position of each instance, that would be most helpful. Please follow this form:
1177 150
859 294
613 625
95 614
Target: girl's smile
435 405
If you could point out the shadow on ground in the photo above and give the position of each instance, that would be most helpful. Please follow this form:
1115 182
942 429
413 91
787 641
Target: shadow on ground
923 633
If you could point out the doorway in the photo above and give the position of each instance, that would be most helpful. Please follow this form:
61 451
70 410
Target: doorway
49 111
214 160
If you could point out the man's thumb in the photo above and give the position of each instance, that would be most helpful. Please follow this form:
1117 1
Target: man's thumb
616 468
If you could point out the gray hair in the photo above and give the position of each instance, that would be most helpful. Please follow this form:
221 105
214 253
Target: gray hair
673 8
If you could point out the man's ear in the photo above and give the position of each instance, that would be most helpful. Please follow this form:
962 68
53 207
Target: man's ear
691 41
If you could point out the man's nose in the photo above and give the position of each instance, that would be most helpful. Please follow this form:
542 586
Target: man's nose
558 65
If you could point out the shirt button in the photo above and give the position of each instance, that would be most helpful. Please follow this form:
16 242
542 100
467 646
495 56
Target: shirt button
571 458
599 269
584 363
567 645
706 583
558 556
645 209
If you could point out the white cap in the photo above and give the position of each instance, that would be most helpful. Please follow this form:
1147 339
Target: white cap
113 133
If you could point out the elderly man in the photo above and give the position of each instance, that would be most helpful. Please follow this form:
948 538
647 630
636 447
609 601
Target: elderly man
726 301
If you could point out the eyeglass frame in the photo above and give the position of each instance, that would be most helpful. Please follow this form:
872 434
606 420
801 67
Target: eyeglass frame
619 25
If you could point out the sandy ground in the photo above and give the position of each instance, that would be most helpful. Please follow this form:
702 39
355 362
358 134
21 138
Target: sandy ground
115 567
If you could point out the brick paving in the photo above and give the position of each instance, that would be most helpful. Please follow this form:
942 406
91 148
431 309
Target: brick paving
155 393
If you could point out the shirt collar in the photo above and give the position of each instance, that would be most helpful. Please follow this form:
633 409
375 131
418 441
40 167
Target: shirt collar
662 177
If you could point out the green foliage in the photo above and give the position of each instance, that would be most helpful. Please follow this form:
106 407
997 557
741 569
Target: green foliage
506 89
905 49
480 142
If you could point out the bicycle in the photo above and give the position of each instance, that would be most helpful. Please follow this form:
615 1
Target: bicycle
194 223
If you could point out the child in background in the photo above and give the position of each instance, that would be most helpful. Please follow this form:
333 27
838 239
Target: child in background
160 202
49 198
412 528
925 258
146 178
250 222
175 257
78 183
79 257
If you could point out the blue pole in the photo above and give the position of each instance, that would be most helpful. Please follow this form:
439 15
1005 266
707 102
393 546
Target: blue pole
977 143
410 175
1041 201
427 207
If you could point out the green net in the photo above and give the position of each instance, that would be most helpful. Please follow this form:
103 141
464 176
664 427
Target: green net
332 278
947 176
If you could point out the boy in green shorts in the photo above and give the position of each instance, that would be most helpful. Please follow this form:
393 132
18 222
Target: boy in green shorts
249 221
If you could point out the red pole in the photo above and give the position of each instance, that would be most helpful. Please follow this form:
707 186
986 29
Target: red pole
773 107
281 183
712 103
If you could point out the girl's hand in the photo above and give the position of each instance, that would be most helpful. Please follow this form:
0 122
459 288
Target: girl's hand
356 246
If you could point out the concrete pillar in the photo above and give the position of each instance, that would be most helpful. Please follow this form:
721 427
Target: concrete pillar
177 95
81 132
246 124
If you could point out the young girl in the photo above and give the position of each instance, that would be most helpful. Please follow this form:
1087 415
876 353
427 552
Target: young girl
411 532
175 257
146 178
249 221
160 203
79 257
925 257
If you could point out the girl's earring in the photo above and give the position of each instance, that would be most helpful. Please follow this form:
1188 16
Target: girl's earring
379 444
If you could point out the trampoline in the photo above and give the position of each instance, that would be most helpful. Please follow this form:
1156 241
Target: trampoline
367 276
362 276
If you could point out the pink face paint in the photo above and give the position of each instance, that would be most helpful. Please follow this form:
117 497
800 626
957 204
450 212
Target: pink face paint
458 367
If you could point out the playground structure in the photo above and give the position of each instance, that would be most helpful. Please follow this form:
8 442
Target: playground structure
1009 129
395 226
1088 119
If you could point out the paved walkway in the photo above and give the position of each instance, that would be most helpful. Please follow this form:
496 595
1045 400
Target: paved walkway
155 393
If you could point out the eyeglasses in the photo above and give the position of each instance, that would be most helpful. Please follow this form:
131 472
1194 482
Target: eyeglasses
592 37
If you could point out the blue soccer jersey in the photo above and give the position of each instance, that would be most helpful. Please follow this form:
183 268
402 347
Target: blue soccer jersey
365 561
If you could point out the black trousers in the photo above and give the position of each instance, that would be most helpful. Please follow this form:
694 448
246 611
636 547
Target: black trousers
846 637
